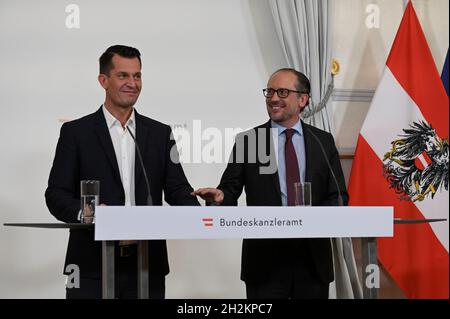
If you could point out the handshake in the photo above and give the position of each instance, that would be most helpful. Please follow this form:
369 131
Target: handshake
209 195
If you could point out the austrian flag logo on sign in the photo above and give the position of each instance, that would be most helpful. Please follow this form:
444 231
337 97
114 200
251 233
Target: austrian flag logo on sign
208 222
417 165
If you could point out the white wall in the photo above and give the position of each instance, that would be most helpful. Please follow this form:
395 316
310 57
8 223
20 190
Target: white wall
203 60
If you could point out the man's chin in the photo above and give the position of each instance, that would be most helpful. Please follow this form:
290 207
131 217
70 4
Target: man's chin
277 119
127 105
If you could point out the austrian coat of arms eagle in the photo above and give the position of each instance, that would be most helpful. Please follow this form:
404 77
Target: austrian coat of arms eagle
416 167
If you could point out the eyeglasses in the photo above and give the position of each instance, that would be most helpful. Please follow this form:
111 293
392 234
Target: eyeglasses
282 93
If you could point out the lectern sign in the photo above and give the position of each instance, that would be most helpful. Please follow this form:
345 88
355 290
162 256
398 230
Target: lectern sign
216 222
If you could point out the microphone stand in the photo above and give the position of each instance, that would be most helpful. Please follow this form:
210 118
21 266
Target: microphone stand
143 264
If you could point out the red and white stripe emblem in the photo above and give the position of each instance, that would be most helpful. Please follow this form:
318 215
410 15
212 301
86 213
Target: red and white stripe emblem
208 222
422 161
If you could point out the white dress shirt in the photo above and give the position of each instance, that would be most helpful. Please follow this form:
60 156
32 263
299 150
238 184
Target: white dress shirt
125 152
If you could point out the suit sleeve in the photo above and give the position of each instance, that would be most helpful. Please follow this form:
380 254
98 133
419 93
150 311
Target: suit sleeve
177 190
333 192
232 181
62 195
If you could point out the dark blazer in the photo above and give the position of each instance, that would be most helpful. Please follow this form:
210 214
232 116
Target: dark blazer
261 256
85 151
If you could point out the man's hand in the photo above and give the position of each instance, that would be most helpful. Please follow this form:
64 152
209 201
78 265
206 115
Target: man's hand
87 215
210 195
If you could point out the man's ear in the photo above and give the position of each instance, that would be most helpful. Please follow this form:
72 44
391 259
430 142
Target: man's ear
303 101
103 80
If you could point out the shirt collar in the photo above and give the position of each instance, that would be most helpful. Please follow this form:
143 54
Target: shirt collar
297 127
111 121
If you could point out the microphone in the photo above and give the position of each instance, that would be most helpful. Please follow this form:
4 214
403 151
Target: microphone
340 200
149 196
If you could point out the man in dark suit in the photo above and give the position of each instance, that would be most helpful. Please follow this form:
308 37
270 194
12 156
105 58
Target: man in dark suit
267 161
100 147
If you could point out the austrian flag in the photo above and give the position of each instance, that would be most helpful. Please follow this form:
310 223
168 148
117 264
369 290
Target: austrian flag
402 160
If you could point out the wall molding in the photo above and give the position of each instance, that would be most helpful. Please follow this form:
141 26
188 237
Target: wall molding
346 153
348 95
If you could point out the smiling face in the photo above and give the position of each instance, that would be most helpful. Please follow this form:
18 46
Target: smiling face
285 111
123 83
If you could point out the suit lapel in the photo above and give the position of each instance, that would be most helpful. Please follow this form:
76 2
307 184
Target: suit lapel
141 138
308 152
102 132
271 146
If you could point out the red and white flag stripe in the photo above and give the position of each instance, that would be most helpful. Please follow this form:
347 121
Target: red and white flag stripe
410 90
422 161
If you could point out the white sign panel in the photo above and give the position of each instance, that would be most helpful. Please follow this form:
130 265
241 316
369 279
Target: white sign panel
220 222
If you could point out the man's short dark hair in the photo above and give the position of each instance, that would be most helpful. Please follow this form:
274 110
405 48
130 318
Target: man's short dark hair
303 84
124 51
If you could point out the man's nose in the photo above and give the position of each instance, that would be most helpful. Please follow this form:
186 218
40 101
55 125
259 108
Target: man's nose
274 97
132 83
